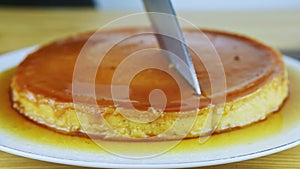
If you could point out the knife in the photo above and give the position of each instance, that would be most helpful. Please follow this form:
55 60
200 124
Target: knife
169 36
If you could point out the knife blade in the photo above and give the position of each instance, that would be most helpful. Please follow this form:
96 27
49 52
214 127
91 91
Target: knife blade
170 38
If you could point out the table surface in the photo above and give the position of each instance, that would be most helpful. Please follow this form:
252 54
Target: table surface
21 27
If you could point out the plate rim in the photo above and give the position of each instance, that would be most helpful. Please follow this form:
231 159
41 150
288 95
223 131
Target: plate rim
213 162
226 160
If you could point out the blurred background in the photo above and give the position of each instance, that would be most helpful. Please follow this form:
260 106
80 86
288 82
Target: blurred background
182 5
275 22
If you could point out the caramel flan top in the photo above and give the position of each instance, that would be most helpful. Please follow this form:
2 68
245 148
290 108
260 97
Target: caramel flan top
49 71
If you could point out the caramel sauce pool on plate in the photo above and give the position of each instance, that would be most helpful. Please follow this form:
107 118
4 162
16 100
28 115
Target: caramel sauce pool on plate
17 125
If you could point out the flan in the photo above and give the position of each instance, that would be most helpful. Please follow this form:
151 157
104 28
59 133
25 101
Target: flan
42 88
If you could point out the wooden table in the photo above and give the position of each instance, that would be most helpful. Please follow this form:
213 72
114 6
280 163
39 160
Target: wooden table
25 27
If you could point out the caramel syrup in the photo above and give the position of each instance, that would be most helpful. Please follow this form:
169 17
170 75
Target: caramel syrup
287 117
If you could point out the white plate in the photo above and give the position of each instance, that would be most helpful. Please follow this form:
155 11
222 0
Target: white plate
287 137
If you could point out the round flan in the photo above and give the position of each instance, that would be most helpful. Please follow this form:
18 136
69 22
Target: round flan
43 86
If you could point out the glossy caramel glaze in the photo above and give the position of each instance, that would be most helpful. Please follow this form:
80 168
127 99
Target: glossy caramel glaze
49 70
